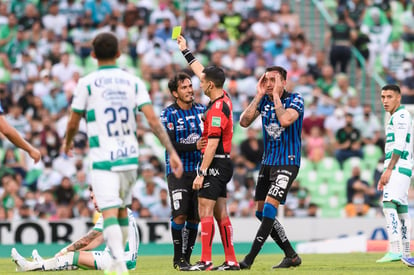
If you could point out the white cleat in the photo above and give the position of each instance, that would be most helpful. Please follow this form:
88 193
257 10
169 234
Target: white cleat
36 257
21 263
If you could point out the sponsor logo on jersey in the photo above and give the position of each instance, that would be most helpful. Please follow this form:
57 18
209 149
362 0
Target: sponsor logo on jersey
170 126
274 130
192 138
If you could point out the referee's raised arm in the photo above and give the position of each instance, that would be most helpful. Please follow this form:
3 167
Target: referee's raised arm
195 65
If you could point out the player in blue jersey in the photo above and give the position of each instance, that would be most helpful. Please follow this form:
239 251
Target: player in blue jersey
184 125
282 116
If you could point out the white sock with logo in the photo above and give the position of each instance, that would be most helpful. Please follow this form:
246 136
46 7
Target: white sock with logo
63 262
393 230
405 234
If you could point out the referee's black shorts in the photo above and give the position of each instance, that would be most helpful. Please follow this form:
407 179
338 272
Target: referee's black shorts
275 182
182 196
219 174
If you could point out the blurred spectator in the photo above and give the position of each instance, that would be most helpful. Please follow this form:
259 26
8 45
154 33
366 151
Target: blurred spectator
354 12
64 70
72 10
234 63
206 17
369 126
253 57
82 37
44 86
407 88
392 58
357 207
231 20
46 206
376 26
327 79
315 143
156 63
348 141
50 178
17 120
65 194
15 159
264 28
98 10
353 107
312 120
161 209
340 38
408 29
55 102
10 198
55 21
195 34
342 90
8 31
252 149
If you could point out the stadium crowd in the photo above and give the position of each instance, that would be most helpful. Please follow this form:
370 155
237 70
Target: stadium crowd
45 47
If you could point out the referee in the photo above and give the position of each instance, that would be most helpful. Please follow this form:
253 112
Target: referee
282 116
216 168
183 123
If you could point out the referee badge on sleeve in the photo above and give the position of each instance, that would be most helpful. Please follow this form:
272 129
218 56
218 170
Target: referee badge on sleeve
216 121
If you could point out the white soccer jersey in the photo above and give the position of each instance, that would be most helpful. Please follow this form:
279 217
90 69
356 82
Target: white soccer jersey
399 140
110 98
132 246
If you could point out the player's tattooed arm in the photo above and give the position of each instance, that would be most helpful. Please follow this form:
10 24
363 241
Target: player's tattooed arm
90 241
162 135
251 112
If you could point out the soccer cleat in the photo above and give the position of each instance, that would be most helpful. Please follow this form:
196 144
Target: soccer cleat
408 261
244 265
21 263
390 257
36 257
226 267
289 262
201 266
181 265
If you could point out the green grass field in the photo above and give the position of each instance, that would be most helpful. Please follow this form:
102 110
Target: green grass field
356 263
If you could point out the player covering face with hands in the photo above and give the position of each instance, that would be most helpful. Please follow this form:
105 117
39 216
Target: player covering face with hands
282 115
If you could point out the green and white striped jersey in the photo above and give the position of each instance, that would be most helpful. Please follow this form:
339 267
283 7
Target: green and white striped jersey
399 140
110 98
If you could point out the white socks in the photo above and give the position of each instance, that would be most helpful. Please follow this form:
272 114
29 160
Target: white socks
406 234
393 230
114 240
58 263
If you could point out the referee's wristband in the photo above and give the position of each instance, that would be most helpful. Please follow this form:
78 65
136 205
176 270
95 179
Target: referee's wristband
188 56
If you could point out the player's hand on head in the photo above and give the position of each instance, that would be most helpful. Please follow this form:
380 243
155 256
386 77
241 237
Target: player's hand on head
260 86
182 43
278 87
176 165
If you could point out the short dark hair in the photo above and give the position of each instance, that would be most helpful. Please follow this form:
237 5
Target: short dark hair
279 69
391 87
215 74
179 77
105 46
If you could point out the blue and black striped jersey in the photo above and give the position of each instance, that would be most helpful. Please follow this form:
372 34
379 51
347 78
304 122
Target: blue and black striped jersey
184 128
282 145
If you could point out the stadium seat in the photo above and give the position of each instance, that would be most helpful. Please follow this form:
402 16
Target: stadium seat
372 154
349 164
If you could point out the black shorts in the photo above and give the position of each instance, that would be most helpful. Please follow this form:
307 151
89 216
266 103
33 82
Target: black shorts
182 196
275 182
218 175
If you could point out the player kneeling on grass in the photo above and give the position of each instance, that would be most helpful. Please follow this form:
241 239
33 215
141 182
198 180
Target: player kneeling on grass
79 254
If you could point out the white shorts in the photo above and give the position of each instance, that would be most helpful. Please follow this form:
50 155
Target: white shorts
397 188
103 259
113 189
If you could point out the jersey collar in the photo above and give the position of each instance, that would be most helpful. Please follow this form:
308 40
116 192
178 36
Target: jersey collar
107 67
400 108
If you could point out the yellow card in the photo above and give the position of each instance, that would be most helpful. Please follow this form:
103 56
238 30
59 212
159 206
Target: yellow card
176 32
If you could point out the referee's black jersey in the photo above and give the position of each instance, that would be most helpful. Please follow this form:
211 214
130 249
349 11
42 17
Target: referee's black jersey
184 128
282 145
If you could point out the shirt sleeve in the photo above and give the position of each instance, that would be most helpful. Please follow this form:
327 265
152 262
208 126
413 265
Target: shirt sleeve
401 130
217 120
142 95
80 96
297 103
